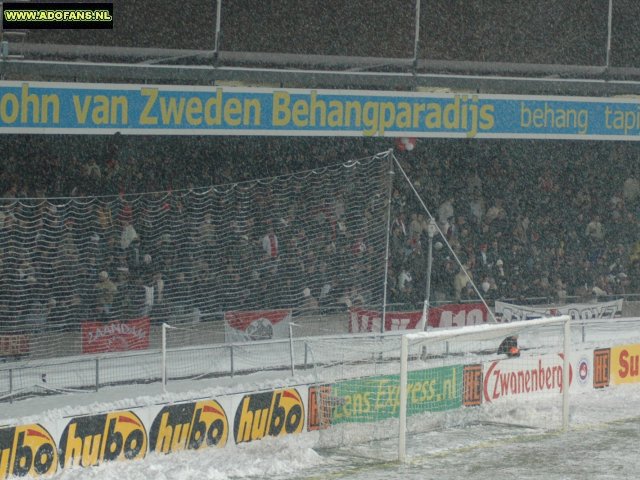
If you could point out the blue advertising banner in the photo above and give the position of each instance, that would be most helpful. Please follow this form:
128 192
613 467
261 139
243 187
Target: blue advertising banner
37 107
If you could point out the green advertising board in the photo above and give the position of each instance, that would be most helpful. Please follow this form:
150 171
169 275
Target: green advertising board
376 398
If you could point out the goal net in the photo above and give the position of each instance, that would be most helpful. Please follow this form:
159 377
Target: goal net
94 275
387 395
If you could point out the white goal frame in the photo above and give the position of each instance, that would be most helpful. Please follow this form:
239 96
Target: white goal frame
479 331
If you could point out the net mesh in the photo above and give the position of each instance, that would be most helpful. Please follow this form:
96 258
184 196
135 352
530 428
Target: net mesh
312 243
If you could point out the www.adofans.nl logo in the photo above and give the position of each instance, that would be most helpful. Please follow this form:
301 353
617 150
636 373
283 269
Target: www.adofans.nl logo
51 15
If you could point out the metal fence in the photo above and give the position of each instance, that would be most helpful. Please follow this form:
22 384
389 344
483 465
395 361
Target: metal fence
197 351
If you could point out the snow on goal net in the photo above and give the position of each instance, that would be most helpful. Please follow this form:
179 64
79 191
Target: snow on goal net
388 394
99 274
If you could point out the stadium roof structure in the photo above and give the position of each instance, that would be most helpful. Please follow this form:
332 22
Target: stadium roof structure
578 47
152 65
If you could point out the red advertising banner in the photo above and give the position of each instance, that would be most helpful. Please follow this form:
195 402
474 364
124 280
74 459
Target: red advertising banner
362 320
115 336
458 315
13 345
246 326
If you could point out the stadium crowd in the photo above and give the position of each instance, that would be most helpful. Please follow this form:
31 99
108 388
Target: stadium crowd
549 221
539 220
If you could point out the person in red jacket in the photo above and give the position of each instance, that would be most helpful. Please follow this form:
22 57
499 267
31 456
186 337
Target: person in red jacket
509 347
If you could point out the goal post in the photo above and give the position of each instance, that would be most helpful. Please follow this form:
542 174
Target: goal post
465 342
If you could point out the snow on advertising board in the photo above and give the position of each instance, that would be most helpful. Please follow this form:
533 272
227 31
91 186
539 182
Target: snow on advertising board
95 108
247 326
364 320
47 445
42 449
508 312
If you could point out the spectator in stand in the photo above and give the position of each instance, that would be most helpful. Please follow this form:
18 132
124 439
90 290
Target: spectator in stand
145 229
484 260
501 278
442 273
496 218
398 201
474 182
521 229
231 296
356 296
412 244
560 293
594 231
159 309
584 279
204 282
122 300
309 303
508 177
622 284
460 282
92 175
323 284
424 224
601 287
76 310
543 287
582 201
105 291
624 227
415 226
207 235
141 298
130 242
404 277
631 190
167 253
595 236
270 244
547 186
397 246
489 289
32 315
146 269
418 261
477 209
406 294
113 176
55 315
343 300
26 271
400 223
618 260
446 215
177 293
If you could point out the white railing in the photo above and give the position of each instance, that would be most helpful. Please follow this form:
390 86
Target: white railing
31 377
